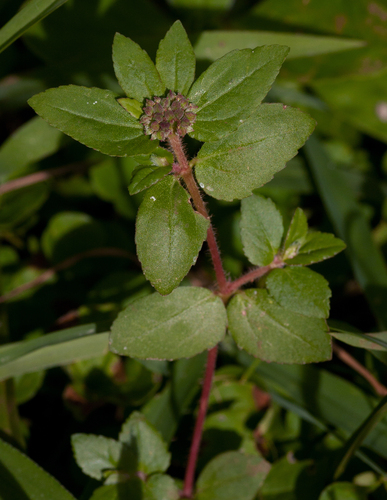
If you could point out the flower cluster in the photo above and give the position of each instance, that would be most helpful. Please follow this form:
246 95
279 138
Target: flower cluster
171 114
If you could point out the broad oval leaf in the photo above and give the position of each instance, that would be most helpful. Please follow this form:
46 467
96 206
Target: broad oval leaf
21 478
232 87
272 333
175 60
93 117
184 323
315 248
247 159
151 451
301 290
261 229
145 176
134 69
232 475
169 234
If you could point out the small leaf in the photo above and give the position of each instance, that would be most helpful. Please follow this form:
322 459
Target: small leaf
266 330
94 118
160 487
175 60
134 69
301 290
231 89
247 159
169 234
132 106
146 176
315 248
232 475
296 234
97 454
151 451
183 324
23 479
373 341
159 157
261 229
343 491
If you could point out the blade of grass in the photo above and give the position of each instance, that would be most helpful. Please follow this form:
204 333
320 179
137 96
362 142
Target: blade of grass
34 11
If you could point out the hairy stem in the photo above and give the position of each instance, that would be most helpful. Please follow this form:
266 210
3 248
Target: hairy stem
198 431
185 171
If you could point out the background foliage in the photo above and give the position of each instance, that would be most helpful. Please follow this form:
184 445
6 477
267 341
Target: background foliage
68 242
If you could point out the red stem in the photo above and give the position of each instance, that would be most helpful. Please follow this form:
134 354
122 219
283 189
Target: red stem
198 431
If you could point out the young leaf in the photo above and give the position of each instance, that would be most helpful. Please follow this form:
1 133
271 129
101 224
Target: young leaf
261 229
175 60
315 248
232 475
97 454
245 160
94 118
231 89
146 176
135 70
265 329
343 491
160 487
169 234
184 323
151 451
296 234
23 479
301 290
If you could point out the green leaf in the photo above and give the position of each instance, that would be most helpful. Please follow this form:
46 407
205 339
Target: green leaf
205 5
261 229
26 386
315 247
96 455
232 475
360 434
160 487
301 290
212 45
247 159
21 478
343 491
93 117
151 451
31 142
265 329
175 60
31 13
296 234
146 176
232 88
169 234
51 350
184 323
372 341
132 106
134 69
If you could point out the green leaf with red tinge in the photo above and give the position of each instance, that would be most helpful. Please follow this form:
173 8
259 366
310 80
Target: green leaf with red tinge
169 234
